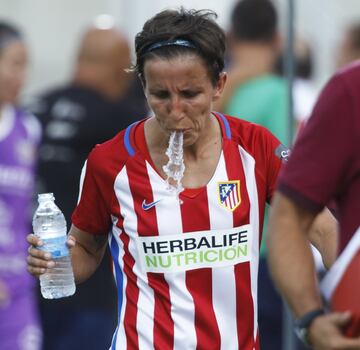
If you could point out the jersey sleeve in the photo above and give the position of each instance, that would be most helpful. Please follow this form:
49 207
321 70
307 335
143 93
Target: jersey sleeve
276 154
92 213
324 149
269 154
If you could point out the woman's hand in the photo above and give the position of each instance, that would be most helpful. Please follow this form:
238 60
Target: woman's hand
38 261
325 333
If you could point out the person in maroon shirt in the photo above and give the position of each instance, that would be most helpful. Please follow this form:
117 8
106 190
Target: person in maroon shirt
323 168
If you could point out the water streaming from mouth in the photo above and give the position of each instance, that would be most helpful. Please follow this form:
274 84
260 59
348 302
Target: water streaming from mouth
175 167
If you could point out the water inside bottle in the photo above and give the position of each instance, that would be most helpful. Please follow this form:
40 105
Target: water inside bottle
58 282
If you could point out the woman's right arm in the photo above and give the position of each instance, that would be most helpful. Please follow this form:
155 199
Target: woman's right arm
87 251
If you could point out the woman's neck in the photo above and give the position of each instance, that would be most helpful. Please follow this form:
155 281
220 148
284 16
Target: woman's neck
211 134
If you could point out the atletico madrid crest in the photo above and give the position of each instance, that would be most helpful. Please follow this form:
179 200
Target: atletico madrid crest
229 194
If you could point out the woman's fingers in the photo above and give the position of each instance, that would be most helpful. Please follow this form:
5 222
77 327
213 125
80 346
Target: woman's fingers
34 240
38 261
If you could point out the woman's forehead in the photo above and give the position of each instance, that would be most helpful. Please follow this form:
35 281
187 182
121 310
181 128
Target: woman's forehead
189 64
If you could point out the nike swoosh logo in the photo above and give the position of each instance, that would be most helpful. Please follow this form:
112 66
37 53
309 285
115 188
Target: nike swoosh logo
147 206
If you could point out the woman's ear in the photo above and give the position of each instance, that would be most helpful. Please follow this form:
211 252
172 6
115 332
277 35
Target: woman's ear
220 85
142 80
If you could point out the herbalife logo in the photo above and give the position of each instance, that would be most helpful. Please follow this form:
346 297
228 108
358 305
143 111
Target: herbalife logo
214 248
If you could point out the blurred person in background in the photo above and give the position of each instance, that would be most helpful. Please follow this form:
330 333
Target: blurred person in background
304 91
20 134
255 93
101 99
349 48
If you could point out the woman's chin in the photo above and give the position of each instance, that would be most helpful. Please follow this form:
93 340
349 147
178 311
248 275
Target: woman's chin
189 139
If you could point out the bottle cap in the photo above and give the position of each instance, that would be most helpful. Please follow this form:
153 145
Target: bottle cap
45 197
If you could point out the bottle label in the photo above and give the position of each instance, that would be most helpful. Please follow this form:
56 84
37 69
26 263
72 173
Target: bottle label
56 246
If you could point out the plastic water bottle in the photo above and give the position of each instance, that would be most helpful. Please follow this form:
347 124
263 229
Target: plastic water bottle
49 224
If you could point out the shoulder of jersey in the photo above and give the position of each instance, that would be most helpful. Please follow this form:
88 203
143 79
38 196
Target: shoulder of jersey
242 129
113 149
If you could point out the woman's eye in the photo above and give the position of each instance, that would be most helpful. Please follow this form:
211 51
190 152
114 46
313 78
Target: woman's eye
189 94
161 94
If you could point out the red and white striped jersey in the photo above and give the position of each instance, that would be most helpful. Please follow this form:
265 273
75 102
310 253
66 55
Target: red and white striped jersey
186 273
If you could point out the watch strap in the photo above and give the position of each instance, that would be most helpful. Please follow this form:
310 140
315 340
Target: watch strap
306 320
303 323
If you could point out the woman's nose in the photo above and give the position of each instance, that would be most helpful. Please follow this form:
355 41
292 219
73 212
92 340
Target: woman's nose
176 107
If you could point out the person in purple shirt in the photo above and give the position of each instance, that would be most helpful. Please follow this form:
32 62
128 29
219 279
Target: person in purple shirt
323 170
19 138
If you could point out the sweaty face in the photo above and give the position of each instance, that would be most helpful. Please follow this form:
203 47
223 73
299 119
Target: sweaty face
180 93
13 62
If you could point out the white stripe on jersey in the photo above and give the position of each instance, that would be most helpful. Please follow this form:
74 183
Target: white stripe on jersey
223 279
121 182
249 170
169 222
82 177
146 304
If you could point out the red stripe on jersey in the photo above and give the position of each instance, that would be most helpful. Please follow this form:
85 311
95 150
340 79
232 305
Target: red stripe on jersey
195 217
244 310
244 301
132 297
257 341
163 323
147 225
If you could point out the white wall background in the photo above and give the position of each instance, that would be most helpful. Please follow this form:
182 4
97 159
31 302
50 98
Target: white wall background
53 28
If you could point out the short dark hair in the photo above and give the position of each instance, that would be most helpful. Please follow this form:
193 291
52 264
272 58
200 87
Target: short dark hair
198 27
8 33
254 20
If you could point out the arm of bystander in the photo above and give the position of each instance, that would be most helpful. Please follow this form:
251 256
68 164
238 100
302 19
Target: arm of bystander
292 267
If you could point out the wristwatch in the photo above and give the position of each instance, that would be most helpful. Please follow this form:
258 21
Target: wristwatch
303 323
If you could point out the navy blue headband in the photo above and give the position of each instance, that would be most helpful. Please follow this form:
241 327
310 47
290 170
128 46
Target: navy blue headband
176 42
